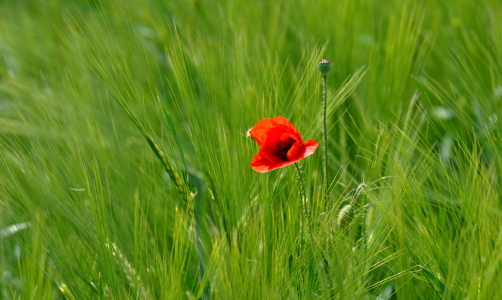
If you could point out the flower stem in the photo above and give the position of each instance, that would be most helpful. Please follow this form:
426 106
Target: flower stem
303 205
325 136
301 183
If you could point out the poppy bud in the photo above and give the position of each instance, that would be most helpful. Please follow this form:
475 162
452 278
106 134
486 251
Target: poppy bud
324 66
345 216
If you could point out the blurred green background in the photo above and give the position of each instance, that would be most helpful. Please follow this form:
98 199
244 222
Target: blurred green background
88 212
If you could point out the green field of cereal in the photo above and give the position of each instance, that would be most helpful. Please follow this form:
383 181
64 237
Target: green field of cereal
190 149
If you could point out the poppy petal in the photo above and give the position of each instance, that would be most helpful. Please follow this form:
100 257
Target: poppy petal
273 159
310 147
260 163
278 136
294 150
264 165
260 131
285 163
274 136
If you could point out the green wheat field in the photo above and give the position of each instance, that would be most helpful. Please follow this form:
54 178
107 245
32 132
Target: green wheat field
125 155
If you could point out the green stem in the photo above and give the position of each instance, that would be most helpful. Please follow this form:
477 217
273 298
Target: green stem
199 252
303 205
325 136
301 183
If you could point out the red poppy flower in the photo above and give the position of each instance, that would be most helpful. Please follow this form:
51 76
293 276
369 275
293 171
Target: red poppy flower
280 144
